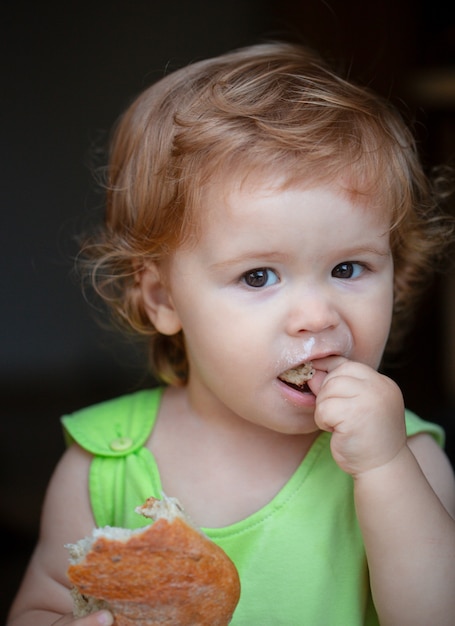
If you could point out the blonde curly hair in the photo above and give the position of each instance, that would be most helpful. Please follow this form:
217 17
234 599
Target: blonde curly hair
268 109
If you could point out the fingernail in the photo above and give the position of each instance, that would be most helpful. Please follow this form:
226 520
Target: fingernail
105 618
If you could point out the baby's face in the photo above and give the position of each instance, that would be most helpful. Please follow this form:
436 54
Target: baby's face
279 277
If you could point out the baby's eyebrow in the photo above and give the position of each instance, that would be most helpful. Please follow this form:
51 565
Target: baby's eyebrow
257 259
367 249
264 258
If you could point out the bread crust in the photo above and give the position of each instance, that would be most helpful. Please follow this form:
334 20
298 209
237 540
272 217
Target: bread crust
168 573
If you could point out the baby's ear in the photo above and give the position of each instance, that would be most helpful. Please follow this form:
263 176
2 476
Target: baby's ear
157 300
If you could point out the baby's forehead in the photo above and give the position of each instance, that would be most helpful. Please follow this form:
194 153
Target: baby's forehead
229 207
229 191
217 189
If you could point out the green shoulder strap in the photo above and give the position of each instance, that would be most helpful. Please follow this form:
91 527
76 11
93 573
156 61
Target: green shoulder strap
416 425
123 473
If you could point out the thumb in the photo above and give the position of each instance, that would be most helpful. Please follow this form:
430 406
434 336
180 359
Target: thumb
323 367
103 618
100 618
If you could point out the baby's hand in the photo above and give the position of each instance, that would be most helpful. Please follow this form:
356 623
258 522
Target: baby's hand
100 618
363 409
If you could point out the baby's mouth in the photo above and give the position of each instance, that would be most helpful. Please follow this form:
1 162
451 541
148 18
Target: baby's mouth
298 377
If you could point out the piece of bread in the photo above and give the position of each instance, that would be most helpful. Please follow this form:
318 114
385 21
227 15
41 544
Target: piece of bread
298 376
166 573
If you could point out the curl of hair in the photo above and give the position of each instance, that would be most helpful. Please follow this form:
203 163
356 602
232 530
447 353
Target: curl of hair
266 110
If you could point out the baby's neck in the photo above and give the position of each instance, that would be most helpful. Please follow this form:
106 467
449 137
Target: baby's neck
221 475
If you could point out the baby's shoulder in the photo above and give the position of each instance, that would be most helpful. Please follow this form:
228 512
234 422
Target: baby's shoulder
66 497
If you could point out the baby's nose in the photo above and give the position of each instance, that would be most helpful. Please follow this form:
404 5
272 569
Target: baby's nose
312 311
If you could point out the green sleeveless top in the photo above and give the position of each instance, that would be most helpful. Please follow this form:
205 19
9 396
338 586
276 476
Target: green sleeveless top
300 559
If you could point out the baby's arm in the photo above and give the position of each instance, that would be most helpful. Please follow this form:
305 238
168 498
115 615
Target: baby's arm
404 494
44 598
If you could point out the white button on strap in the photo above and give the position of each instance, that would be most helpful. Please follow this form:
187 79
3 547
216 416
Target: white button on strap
121 444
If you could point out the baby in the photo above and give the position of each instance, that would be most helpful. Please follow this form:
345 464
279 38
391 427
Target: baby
264 215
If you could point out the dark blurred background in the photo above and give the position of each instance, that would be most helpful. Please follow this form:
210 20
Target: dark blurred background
68 70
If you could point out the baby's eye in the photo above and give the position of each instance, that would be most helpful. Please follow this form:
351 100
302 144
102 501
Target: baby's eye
261 277
348 270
